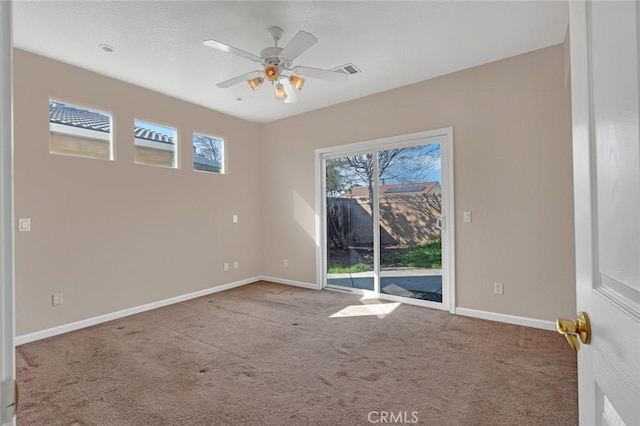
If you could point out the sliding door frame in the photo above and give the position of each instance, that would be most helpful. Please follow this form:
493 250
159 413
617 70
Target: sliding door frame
7 252
445 137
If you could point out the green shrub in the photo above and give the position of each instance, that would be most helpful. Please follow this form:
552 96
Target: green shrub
424 256
358 267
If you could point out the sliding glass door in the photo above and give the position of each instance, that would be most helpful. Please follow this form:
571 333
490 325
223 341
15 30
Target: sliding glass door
409 202
350 236
384 220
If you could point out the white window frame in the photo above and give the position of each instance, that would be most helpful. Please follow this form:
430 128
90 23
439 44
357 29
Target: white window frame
448 242
80 132
161 146
223 164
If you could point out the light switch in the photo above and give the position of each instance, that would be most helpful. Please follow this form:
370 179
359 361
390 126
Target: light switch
466 217
24 224
235 218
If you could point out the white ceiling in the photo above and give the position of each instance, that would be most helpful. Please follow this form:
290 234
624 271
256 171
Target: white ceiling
159 43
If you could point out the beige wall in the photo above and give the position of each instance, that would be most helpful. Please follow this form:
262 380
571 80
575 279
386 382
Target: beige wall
111 235
139 234
513 170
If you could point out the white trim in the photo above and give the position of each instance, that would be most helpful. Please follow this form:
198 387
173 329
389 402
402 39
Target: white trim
54 331
449 274
399 141
509 319
223 153
7 230
80 132
370 294
321 235
375 210
290 282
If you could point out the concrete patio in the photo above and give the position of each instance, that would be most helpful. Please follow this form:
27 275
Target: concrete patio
401 281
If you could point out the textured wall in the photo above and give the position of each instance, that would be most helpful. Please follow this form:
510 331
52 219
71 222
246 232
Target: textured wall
513 170
111 235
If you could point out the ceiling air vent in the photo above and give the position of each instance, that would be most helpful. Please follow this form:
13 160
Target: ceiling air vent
348 69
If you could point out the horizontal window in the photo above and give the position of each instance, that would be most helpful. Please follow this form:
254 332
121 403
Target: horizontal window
155 144
208 153
79 131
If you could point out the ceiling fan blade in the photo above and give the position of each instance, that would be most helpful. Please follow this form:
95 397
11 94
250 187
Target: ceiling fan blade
292 96
298 44
233 50
335 76
239 79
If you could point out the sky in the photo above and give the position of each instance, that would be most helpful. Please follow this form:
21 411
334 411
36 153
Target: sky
421 165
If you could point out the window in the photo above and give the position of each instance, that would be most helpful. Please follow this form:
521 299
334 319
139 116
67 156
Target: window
208 153
155 144
79 131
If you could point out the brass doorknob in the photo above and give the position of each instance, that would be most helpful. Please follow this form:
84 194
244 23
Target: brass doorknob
580 327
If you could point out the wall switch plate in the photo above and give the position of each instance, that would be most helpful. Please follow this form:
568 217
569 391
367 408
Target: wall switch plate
286 263
235 218
236 265
24 224
56 299
225 266
497 288
466 217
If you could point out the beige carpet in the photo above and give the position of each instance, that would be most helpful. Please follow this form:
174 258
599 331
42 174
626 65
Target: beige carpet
268 354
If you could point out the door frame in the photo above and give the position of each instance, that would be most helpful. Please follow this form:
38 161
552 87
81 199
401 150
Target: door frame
448 211
7 307
583 184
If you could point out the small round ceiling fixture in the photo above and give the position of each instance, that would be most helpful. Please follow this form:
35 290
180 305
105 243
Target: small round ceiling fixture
239 99
106 48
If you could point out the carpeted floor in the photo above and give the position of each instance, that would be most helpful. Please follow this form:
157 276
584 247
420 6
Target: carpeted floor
268 354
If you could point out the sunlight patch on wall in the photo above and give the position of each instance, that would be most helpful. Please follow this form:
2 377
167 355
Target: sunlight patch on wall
304 215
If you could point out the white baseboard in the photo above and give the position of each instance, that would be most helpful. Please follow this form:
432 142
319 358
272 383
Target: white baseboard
54 331
509 319
291 282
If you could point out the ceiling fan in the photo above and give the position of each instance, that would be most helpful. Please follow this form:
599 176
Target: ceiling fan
277 63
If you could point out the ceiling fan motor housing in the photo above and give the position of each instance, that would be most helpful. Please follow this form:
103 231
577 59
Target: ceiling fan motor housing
271 56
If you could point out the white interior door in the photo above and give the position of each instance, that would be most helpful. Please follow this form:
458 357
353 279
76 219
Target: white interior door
7 353
606 132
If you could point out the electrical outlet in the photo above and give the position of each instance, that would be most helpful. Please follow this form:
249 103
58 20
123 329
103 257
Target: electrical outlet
286 263
225 266
235 218
236 265
466 217
497 288
56 299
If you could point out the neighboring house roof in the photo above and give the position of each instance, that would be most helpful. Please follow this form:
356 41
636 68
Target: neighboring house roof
412 188
75 117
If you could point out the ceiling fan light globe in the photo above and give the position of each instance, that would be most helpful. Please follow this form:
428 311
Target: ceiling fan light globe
271 72
280 92
256 82
297 82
